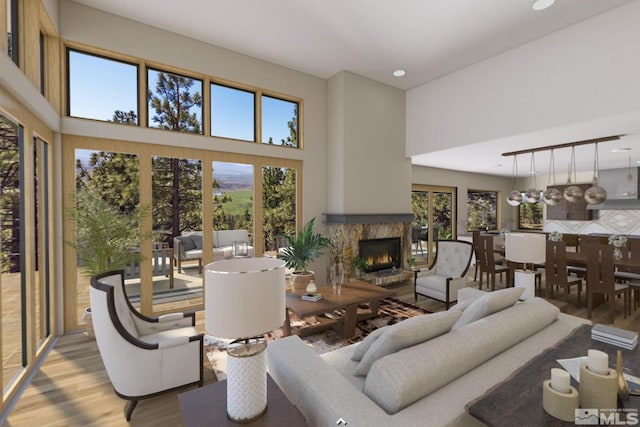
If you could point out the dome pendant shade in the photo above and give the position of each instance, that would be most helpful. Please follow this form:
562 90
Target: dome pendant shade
572 193
552 196
532 195
595 194
514 198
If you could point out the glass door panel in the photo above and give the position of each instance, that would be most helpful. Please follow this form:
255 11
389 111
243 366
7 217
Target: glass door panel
433 211
42 240
279 205
177 232
420 225
233 198
12 256
107 218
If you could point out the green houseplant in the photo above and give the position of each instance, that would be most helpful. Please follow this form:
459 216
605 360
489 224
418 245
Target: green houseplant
300 251
106 238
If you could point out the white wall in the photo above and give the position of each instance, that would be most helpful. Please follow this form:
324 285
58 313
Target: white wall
585 72
367 147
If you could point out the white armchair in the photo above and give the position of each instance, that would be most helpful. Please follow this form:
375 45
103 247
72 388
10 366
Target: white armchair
143 356
447 273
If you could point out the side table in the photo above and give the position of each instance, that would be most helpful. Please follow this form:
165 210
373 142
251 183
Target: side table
207 406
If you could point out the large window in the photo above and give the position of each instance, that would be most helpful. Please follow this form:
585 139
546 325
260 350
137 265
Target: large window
42 240
482 210
175 102
531 216
278 204
12 251
279 122
232 113
102 89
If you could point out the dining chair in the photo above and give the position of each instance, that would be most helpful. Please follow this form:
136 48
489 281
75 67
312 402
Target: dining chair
601 280
556 271
631 276
487 263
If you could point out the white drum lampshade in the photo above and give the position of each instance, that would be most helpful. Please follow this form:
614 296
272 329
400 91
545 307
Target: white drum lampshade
526 248
245 298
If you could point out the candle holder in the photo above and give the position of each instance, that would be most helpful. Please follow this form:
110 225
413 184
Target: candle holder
598 391
560 405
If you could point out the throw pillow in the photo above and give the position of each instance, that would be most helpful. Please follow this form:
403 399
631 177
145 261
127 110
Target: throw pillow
462 305
187 243
406 334
197 240
365 344
488 304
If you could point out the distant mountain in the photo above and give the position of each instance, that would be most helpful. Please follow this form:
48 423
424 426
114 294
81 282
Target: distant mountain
233 176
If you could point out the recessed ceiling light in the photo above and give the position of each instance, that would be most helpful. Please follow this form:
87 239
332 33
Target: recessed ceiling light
399 73
542 4
621 150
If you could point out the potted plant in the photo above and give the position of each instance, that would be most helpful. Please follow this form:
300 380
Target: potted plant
106 238
360 266
299 252
411 262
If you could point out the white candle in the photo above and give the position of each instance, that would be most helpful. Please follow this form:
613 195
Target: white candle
598 362
560 380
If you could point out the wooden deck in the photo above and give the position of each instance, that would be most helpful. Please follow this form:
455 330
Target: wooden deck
72 388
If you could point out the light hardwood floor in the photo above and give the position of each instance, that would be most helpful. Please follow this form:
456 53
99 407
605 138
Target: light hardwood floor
72 388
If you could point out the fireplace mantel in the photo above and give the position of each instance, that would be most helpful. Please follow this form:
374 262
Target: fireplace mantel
368 218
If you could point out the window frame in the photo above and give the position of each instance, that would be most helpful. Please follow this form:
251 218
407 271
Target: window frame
68 49
498 206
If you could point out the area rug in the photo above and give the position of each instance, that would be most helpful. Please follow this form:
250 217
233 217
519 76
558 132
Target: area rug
391 311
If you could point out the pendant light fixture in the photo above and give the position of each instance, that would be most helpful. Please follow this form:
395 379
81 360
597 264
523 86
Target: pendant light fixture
533 194
595 194
572 193
552 196
514 198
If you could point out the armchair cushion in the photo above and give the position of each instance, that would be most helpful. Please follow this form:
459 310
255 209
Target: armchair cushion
169 335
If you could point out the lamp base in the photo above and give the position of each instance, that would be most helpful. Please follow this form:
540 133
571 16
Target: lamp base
246 380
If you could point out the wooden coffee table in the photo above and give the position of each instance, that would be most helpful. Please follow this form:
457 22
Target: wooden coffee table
353 294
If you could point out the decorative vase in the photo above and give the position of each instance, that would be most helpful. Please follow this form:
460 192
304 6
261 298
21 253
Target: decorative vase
336 276
617 253
299 281
311 287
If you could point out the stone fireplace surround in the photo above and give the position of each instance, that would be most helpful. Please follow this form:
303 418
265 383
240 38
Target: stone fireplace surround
356 227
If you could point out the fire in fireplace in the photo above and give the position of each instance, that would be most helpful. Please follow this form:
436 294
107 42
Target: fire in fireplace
380 254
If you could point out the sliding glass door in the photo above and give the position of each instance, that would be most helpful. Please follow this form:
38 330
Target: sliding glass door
434 218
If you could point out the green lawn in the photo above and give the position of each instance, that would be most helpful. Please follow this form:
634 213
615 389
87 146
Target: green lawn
241 201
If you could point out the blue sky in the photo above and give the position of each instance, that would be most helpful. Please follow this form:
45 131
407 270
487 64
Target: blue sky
101 86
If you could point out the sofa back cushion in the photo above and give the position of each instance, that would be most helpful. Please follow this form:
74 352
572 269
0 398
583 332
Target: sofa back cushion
405 334
487 304
400 379
197 240
186 243
227 237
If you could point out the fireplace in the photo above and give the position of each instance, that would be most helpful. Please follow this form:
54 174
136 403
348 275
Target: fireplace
381 254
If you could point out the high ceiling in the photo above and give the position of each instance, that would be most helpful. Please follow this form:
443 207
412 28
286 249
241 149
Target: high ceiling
427 38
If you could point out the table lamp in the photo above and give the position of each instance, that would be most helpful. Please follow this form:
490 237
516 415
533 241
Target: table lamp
245 298
526 248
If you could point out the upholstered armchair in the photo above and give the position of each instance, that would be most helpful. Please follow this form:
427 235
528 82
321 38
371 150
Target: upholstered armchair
143 356
447 272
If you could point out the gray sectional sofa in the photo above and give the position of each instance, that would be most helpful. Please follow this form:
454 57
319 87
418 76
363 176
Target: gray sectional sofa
189 246
423 372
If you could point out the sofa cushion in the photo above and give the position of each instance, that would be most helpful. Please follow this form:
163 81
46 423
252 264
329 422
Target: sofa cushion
487 304
187 243
396 381
197 241
227 237
462 305
405 334
365 344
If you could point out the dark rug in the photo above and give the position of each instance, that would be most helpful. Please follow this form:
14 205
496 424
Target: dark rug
391 311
